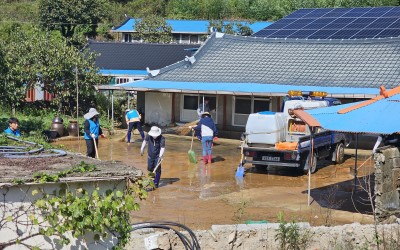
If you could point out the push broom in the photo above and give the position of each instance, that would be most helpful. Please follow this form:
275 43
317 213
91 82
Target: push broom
240 168
191 153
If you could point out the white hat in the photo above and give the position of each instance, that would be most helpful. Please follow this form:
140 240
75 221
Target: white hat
127 110
155 131
89 115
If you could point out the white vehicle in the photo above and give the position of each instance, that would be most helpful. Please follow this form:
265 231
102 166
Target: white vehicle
281 139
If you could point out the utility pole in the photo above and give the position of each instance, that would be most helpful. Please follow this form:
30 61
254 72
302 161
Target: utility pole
77 98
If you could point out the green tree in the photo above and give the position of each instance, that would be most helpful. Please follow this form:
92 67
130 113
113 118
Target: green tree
233 28
18 65
73 18
32 57
153 29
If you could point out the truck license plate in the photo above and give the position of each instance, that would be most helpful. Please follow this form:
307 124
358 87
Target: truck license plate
270 158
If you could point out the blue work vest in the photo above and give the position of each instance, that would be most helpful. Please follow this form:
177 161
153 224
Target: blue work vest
94 129
132 114
9 131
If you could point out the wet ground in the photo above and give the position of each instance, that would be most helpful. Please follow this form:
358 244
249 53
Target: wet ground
199 195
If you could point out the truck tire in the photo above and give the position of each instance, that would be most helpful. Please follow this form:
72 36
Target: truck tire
339 151
305 162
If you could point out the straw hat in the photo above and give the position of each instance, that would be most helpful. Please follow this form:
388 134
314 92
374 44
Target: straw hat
205 113
155 131
92 112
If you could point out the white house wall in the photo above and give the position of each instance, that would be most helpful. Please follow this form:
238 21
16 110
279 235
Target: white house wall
158 108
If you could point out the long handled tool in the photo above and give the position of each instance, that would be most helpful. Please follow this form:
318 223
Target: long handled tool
95 148
191 153
240 168
158 164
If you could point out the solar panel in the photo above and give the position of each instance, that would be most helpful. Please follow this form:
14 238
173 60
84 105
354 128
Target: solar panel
336 23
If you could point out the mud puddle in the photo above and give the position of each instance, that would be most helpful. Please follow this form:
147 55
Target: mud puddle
199 195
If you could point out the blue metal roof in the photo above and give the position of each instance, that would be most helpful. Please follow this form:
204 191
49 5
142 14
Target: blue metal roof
379 117
241 88
122 72
189 26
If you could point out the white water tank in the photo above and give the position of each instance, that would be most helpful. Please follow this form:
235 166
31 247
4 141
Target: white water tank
265 127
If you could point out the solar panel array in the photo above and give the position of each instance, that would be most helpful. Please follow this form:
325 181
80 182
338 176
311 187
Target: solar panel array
336 23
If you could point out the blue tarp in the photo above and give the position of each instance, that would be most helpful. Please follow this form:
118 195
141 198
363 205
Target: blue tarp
243 88
190 26
380 117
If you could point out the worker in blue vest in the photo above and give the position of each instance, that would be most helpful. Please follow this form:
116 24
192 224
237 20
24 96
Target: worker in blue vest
132 118
92 130
12 129
155 151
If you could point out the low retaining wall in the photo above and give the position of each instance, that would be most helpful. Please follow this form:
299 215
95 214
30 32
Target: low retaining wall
262 236
387 182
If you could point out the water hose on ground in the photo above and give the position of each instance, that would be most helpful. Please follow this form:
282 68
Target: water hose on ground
189 244
16 152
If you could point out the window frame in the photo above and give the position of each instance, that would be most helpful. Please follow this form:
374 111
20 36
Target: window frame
252 99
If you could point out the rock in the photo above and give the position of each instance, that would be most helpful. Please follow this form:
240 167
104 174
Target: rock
163 242
392 219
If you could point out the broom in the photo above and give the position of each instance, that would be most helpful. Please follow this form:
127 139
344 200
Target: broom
191 153
240 168
185 128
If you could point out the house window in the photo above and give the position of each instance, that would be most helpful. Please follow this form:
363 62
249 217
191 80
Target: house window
194 39
127 38
185 38
244 106
176 38
122 80
260 105
191 104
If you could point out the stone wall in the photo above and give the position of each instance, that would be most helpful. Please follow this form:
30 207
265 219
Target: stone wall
263 236
387 181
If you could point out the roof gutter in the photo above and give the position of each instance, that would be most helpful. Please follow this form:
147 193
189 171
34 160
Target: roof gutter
220 92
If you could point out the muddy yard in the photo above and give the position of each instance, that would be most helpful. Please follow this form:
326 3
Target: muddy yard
199 195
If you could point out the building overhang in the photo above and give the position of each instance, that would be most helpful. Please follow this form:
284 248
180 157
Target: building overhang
237 89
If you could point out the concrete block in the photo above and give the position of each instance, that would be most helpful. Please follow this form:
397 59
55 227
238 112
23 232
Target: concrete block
391 153
151 242
390 200
387 168
395 162
388 186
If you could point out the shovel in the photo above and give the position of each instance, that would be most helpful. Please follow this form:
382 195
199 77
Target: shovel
240 168
191 153
95 148
158 164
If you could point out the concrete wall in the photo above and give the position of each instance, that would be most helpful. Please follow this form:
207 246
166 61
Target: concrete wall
15 197
158 108
263 236
387 181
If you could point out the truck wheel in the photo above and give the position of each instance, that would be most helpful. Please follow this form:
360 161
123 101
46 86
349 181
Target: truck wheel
305 164
339 153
